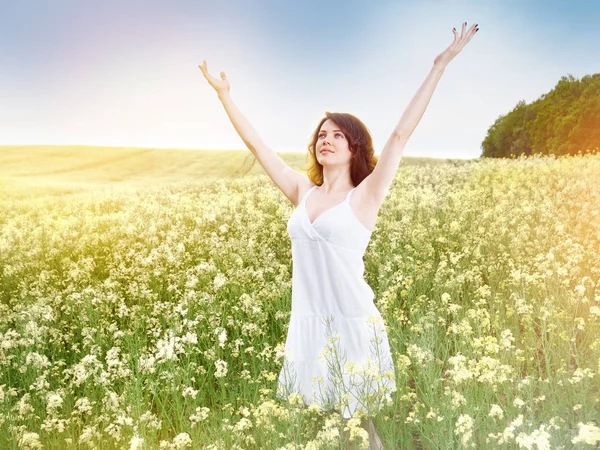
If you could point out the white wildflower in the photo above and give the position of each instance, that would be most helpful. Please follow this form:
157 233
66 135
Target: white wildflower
588 434
188 391
518 402
464 428
136 442
181 441
30 440
37 361
222 336
221 368
496 411
146 364
538 440
200 415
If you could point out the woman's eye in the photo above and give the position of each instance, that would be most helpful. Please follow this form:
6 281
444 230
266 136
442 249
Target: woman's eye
337 134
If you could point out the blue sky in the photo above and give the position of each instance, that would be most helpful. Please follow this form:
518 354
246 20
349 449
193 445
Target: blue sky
125 73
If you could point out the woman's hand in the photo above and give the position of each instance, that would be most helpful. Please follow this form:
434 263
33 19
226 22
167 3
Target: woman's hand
457 45
221 86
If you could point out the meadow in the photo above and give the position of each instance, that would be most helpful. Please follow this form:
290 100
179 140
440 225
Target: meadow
145 298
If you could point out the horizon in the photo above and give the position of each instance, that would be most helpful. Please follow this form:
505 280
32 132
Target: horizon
63 146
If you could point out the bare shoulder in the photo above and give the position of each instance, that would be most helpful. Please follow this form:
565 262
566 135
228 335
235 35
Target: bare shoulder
304 184
366 204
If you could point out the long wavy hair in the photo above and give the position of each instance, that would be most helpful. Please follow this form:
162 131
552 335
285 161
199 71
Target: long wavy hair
360 144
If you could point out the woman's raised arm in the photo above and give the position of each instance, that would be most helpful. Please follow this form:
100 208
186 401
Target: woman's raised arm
239 121
287 179
378 182
417 106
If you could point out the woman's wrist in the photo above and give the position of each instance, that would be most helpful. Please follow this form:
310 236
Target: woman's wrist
223 95
440 66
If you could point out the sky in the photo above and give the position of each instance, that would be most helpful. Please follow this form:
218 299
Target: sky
125 73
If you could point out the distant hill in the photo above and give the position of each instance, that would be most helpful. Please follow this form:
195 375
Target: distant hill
73 168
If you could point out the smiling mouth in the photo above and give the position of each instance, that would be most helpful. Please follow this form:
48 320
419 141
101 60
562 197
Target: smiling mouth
326 151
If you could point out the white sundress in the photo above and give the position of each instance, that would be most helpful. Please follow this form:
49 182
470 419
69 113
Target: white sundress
334 320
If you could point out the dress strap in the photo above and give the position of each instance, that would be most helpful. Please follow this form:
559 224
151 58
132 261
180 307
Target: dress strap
308 192
349 194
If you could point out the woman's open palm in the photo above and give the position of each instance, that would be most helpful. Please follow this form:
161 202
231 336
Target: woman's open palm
457 45
221 85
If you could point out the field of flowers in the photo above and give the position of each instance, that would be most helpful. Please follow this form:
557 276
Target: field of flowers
155 319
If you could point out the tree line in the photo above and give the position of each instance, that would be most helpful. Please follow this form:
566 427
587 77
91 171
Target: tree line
565 121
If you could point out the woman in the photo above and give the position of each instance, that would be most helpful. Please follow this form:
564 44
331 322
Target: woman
337 203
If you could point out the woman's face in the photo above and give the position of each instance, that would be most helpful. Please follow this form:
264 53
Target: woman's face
332 145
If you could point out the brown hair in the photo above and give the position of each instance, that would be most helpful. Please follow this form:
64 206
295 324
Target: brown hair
359 143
